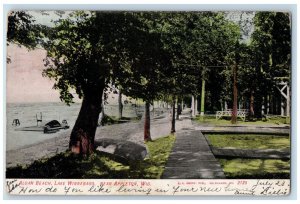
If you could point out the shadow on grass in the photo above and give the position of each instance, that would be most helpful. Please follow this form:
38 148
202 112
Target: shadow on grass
249 141
256 168
98 165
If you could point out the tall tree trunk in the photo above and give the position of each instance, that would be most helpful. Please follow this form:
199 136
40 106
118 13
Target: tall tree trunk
202 100
267 104
147 135
258 105
193 106
263 106
173 115
235 92
83 133
196 106
252 104
179 109
82 137
120 104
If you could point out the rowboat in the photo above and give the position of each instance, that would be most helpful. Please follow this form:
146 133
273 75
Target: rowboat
46 127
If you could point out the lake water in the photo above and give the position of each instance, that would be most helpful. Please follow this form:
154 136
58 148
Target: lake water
26 113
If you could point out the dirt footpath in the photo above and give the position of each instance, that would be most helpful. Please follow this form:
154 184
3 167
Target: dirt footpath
131 131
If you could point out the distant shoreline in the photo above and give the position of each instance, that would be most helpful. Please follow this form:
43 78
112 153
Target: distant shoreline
41 102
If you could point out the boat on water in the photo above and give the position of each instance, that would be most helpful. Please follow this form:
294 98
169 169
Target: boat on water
46 127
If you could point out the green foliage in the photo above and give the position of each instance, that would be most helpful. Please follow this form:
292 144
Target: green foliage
272 42
249 141
198 43
270 53
89 48
20 29
98 165
155 54
147 78
259 63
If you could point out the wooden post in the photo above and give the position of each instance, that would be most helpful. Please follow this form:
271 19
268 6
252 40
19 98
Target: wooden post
288 101
282 108
287 98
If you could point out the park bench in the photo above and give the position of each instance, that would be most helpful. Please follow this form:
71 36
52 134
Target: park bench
241 113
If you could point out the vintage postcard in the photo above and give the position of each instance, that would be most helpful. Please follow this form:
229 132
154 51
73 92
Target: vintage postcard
148 102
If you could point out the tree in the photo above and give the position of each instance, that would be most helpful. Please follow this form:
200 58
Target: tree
20 29
271 43
147 79
256 69
199 43
120 103
86 52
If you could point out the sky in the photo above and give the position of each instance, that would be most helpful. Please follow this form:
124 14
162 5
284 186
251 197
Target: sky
24 81
24 77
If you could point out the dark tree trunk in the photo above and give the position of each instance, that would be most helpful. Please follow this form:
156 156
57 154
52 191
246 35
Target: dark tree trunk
258 105
252 104
178 112
153 111
235 93
83 133
173 115
147 135
120 104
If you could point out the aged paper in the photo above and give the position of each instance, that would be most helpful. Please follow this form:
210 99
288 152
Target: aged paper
254 187
215 87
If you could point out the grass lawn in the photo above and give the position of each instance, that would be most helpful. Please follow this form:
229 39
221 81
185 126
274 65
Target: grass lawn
275 121
256 168
250 141
253 168
99 165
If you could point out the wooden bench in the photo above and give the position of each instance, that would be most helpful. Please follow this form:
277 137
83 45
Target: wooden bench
241 113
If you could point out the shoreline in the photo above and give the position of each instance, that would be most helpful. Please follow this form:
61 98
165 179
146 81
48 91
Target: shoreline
130 131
